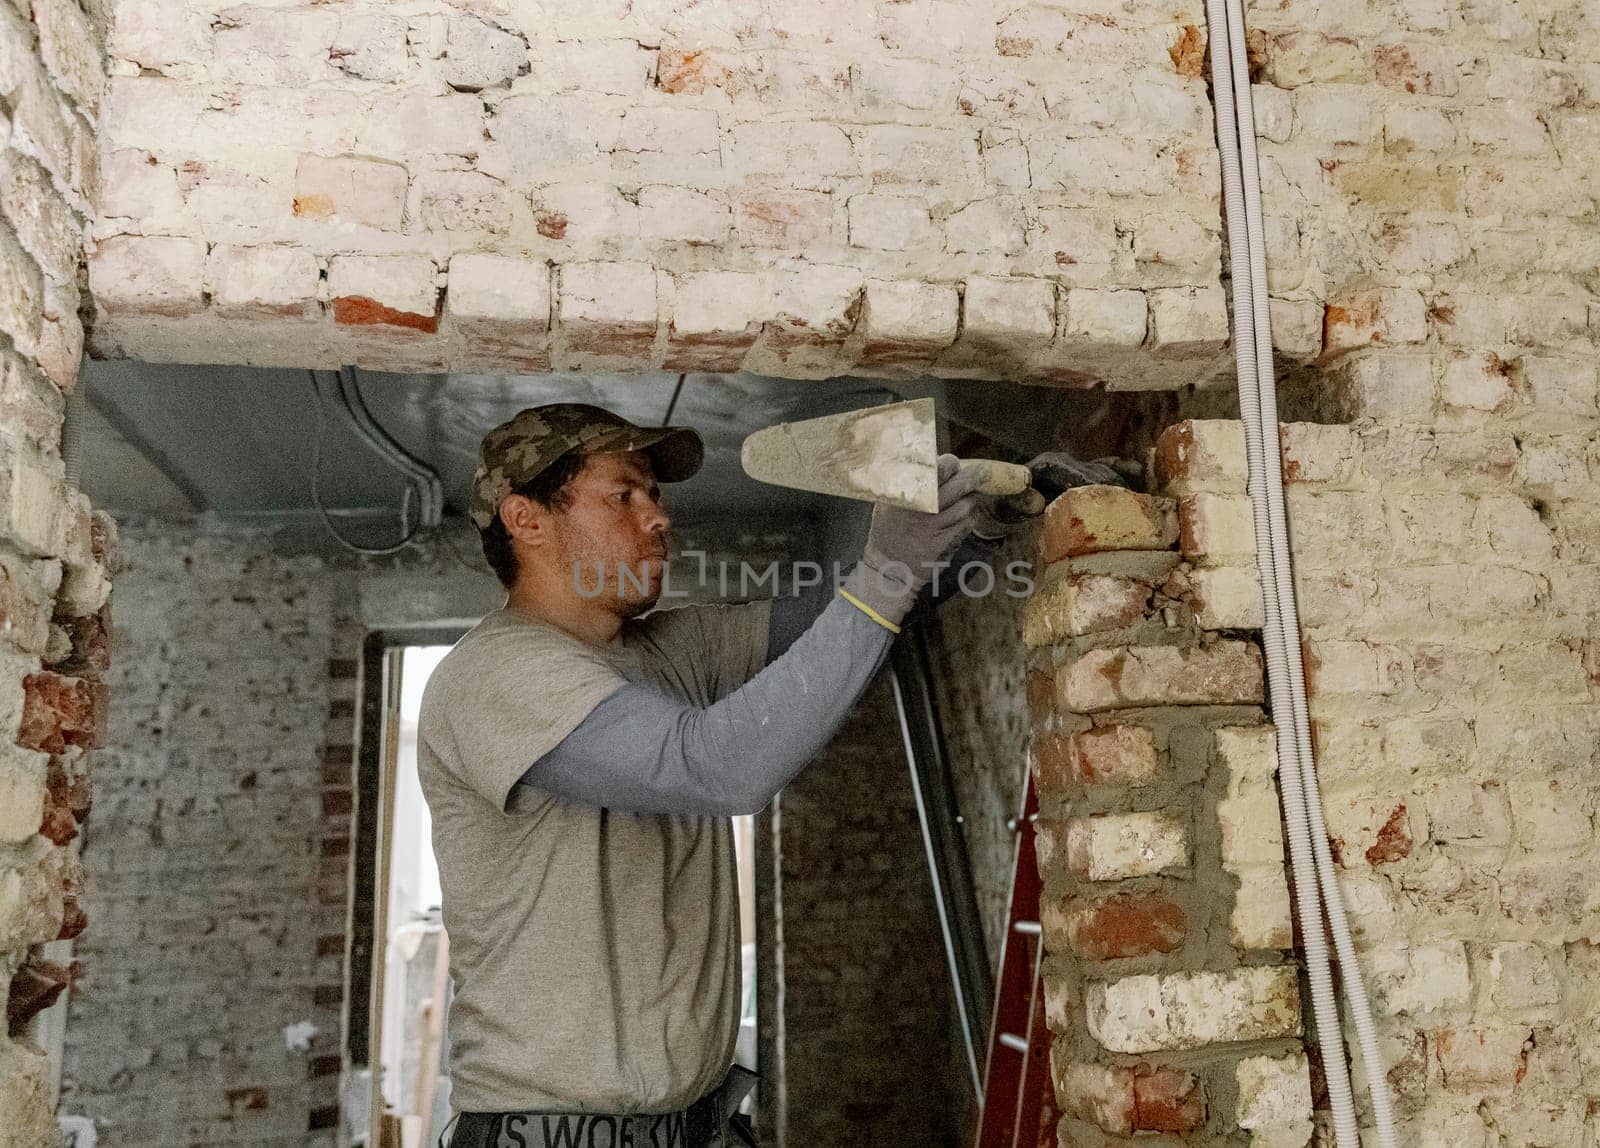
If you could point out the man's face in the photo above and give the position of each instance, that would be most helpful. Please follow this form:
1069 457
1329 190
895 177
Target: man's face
611 538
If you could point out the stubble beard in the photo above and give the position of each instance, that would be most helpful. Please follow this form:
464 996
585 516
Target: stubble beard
596 575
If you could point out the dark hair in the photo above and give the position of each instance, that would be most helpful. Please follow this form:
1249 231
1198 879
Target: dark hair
549 489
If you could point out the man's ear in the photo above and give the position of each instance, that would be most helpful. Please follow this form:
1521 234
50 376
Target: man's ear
525 520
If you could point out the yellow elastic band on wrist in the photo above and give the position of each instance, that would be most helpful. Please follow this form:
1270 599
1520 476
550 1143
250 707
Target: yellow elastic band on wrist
869 611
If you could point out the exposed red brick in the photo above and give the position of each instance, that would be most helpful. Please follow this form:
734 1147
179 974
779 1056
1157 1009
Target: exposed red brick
1112 754
1257 44
1052 769
360 311
59 710
34 988
327 996
1345 327
313 206
681 71
336 802
1394 839
551 224
90 636
66 803
1125 925
1093 519
73 920
1041 694
1188 52
1166 1100
247 1099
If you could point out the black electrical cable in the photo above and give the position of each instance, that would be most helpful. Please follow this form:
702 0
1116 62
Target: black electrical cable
410 532
673 405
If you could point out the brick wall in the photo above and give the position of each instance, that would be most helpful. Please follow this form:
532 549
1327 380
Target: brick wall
1166 910
217 859
802 191
56 556
1449 621
1430 174
867 1019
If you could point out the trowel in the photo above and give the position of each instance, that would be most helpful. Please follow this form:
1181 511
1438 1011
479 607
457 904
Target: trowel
887 454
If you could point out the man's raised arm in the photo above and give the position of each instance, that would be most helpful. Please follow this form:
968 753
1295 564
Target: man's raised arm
642 751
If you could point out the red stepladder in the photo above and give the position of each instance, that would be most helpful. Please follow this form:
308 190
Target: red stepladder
1018 1099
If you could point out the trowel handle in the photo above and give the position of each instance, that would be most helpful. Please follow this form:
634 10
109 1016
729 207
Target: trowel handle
998 477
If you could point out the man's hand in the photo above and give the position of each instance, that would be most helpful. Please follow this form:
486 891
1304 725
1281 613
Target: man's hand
904 546
917 540
1054 472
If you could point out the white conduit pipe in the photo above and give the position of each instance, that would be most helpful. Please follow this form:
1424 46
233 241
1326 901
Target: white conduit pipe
1311 860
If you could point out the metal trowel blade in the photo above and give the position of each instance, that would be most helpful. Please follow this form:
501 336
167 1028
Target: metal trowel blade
887 454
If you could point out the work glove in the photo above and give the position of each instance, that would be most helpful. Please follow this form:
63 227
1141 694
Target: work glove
1054 472
903 546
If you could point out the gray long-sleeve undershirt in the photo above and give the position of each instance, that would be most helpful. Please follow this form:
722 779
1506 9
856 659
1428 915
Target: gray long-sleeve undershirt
642 751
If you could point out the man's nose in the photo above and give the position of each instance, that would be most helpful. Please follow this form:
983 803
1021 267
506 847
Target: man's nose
656 518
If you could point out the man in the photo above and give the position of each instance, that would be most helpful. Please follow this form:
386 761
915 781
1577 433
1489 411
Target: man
582 758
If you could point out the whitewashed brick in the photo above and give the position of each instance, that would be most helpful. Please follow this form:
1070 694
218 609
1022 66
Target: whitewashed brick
371 46
1262 917
611 67
607 312
1522 976
1274 1092
1252 833
1191 1010
44 225
1296 328
70 49
682 215
352 190
1227 598
1188 322
716 316
987 227
1419 979
138 186
35 508
584 214
1217 530
1113 846
384 290
815 310
889 222
501 306
1010 313
800 155
1408 128
533 138
906 324
263 282
148 275
892 153
22 790
1105 318
1177 242
478 55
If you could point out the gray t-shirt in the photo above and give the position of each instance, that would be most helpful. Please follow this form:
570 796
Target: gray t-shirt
595 954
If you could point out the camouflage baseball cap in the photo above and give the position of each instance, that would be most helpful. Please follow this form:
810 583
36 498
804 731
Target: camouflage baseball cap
525 444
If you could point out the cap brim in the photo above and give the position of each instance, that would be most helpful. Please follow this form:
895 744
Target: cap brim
675 452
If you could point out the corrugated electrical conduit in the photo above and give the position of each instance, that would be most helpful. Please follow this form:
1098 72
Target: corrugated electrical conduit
1315 880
